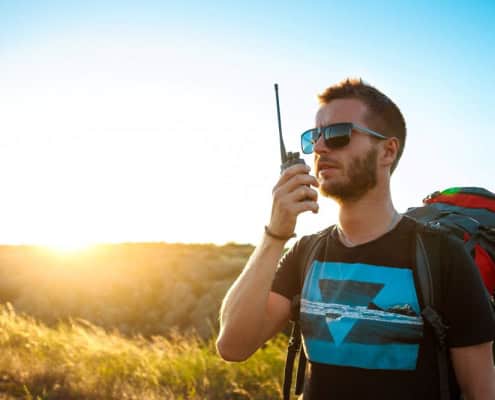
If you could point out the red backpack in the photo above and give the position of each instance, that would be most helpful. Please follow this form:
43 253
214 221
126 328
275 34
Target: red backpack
468 213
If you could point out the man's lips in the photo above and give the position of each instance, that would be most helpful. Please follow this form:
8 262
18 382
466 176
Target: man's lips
321 166
324 169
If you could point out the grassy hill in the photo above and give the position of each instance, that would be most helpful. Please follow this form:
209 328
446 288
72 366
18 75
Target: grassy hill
141 288
127 321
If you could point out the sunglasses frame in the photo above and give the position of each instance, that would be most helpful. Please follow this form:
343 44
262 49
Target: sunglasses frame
326 131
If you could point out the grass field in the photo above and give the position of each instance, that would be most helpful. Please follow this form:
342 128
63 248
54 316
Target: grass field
80 361
130 321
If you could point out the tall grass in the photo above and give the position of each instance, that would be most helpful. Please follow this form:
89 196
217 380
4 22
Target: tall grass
78 360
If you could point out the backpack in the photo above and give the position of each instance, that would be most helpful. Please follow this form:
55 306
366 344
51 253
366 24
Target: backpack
465 213
469 214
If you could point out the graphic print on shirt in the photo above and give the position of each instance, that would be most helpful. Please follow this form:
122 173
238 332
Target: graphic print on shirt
361 315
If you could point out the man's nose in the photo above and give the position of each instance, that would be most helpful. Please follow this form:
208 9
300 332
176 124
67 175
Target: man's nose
320 146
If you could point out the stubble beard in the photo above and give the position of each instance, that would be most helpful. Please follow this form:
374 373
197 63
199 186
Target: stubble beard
361 177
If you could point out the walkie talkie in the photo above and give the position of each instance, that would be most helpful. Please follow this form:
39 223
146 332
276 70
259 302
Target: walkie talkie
289 158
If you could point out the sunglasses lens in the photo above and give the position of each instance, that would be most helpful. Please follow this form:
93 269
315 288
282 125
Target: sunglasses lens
308 141
337 136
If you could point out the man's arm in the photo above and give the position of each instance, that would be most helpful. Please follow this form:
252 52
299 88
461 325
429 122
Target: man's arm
473 366
251 313
469 315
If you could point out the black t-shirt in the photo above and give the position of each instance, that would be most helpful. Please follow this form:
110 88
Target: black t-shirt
360 316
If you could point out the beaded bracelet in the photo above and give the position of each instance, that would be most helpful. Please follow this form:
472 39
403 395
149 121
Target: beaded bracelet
278 237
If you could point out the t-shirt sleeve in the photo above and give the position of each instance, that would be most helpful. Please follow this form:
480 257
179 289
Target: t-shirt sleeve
287 276
468 311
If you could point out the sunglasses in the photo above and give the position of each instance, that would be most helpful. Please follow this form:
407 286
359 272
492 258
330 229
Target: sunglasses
335 136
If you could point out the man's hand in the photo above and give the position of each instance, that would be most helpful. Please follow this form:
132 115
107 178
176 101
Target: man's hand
292 195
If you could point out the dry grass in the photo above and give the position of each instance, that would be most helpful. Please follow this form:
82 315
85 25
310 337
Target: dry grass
78 360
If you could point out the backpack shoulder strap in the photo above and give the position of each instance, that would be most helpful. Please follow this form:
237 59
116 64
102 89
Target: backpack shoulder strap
308 255
427 246
306 259
429 267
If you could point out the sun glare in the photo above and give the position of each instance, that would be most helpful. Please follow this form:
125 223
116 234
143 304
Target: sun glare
68 246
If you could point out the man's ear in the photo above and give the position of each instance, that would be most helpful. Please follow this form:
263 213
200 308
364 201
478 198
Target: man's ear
390 151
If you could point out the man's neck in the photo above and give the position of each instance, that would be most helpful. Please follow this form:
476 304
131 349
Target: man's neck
368 218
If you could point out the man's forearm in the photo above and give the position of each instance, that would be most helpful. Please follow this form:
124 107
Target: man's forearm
483 391
244 307
473 366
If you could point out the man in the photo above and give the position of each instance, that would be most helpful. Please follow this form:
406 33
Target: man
360 304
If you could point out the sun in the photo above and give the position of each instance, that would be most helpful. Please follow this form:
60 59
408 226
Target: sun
61 237
68 246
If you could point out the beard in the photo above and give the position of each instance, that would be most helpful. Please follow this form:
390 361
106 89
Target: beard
361 177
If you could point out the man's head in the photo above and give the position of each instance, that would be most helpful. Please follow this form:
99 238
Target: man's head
382 114
349 172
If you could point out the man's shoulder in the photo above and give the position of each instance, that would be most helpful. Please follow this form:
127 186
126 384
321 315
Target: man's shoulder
302 248
314 238
427 228
441 237
323 233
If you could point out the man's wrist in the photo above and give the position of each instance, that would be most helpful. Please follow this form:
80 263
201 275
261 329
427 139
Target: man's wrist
276 236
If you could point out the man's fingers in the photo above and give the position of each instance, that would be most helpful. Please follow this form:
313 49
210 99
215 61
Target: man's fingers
291 203
303 206
300 180
293 195
294 183
291 172
303 193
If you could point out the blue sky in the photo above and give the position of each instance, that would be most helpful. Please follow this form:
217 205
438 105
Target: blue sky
156 120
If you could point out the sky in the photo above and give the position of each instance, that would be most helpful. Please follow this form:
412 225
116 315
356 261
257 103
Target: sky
156 120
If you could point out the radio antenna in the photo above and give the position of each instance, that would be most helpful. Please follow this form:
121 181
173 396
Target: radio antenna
283 154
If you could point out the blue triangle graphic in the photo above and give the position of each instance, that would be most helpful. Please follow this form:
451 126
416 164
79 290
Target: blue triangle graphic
340 329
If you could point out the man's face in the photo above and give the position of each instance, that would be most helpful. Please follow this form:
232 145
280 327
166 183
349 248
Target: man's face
347 173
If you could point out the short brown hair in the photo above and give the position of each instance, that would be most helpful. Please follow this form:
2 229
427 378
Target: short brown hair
385 117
